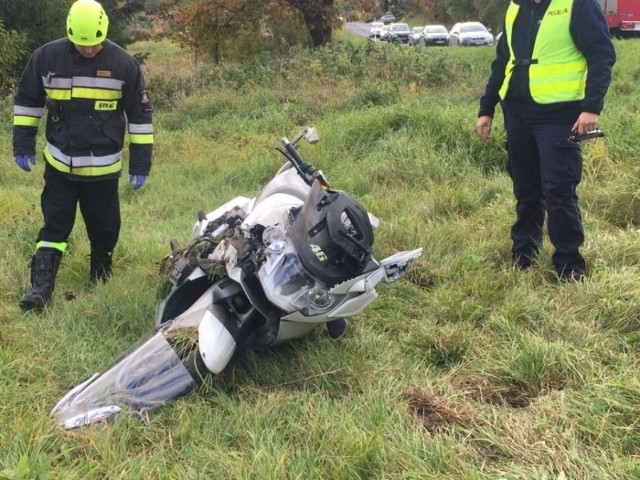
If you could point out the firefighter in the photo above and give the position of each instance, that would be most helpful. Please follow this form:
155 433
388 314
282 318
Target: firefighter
551 73
93 91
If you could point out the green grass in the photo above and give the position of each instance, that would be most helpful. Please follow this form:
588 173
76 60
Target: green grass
464 369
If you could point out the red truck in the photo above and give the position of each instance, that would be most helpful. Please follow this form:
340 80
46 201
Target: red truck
623 16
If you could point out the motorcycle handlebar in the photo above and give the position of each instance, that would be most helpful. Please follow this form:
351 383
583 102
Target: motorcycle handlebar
306 171
298 161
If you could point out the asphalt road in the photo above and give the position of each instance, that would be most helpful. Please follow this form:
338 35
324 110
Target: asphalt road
358 28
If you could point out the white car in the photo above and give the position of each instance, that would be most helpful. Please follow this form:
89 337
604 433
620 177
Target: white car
384 33
415 37
470 33
375 29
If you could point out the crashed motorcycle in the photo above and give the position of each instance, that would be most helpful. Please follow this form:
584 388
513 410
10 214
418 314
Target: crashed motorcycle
255 273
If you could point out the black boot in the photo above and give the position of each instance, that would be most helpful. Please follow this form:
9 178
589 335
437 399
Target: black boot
100 268
337 327
44 268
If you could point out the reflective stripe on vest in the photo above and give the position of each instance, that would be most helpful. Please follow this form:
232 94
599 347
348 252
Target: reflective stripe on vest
558 70
88 165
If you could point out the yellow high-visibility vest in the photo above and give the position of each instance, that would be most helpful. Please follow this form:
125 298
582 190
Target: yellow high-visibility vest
557 69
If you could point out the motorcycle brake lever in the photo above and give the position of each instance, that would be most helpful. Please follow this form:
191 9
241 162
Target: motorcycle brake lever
579 137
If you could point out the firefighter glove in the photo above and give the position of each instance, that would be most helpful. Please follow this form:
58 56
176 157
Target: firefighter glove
23 161
137 181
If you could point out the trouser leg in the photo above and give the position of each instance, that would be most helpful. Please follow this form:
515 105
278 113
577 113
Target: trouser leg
524 168
59 202
100 208
561 174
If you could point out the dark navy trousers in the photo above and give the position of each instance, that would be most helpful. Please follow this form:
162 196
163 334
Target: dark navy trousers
545 168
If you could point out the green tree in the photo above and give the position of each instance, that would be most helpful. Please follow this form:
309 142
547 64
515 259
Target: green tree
41 21
13 47
319 16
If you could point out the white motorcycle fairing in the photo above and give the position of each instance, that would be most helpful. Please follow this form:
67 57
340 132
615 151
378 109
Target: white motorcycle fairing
240 282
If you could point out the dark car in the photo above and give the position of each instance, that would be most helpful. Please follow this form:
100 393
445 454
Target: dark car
399 32
436 35
387 18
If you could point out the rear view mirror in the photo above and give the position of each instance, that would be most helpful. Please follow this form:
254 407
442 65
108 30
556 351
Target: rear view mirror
312 135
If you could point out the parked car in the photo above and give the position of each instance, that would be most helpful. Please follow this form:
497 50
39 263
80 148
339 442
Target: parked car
399 32
415 37
375 29
470 33
384 33
436 35
387 18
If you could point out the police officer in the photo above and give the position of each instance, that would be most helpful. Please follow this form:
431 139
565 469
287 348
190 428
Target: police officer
551 73
94 92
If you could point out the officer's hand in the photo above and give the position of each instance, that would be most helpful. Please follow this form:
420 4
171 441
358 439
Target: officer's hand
137 181
23 161
483 127
586 122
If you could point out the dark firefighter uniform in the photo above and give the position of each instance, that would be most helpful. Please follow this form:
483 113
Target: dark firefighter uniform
553 62
91 103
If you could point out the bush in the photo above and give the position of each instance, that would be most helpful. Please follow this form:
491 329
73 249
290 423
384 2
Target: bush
13 46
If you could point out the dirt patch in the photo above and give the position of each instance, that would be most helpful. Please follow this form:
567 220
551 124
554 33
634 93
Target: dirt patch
486 390
432 411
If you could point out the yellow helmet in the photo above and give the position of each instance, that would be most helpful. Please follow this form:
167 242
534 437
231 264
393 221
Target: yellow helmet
87 23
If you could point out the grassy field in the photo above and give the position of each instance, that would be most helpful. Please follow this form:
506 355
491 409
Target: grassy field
465 369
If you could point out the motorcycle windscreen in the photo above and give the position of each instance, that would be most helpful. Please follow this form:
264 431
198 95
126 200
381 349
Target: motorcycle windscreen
147 377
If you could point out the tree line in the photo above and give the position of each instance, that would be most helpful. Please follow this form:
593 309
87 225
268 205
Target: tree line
221 28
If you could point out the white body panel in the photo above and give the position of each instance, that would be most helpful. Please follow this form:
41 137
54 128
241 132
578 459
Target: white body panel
215 342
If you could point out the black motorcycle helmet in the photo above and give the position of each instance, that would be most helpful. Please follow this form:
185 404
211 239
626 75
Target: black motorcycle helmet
332 235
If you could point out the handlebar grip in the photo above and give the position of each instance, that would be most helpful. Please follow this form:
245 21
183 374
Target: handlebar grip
301 164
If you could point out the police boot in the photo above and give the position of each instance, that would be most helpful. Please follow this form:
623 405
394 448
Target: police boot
44 268
99 269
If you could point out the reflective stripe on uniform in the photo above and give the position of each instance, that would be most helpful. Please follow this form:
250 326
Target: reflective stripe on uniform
96 82
26 116
83 165
61 246
141 133
140 128
29 111
82 87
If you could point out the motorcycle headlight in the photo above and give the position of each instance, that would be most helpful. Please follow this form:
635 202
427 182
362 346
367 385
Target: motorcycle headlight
320 300
274 238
